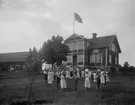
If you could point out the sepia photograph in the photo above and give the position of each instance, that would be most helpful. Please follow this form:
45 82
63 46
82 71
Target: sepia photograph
67 52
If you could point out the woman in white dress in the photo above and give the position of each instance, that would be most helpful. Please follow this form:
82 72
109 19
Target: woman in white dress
63 81
49 79
102 78
87 81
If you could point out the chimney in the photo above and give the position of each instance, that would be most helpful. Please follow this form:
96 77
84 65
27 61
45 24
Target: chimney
94 35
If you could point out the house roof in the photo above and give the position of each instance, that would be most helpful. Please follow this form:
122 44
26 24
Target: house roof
13 57
100 42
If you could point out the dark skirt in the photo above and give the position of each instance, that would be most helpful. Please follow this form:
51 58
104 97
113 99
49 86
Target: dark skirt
45 76
98 81
71 73
58 79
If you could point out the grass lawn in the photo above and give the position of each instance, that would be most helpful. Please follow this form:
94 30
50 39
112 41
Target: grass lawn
15 86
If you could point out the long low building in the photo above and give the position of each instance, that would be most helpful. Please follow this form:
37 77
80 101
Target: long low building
13 61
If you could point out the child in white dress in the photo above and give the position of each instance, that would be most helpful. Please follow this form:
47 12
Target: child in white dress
63 82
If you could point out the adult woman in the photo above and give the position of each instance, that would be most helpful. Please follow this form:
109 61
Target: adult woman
102 78
98 79
87 81
63 81
45 76
49 79
58 79
75 80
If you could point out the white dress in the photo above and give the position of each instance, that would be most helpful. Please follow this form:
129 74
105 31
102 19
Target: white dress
78 74
90 73
87 81
52 76
102 77
94 75
63 82
67 74
49 78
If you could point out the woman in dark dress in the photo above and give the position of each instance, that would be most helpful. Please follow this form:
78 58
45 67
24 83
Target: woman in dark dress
58 79
45 76
76 80
98 79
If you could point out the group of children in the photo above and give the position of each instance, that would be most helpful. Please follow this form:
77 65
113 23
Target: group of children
99 76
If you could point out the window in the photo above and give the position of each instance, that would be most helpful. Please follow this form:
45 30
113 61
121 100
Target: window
69 59
96 58
112 47
110 59
75 45
80 58
95 51
92 58
80 44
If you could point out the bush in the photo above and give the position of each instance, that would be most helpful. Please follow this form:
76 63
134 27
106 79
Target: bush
127 71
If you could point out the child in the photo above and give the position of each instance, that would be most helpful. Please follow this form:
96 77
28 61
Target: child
87 81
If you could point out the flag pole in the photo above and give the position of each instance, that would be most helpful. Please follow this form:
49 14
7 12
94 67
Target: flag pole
73 40
74 25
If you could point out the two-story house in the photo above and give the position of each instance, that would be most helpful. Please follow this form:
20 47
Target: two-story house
94 52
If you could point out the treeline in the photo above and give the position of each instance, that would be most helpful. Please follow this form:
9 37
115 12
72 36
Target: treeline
127 69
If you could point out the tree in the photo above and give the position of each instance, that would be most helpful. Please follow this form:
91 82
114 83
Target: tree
126 65
54 50
33 66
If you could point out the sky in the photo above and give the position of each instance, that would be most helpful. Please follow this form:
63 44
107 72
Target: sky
28 23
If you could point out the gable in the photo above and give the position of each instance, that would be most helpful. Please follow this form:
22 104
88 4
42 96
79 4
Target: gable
115 41
73 37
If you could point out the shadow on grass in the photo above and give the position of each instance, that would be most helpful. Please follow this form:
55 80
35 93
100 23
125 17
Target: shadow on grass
116 94
39 101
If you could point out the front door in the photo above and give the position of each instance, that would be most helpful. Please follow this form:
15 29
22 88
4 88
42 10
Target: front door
74 59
